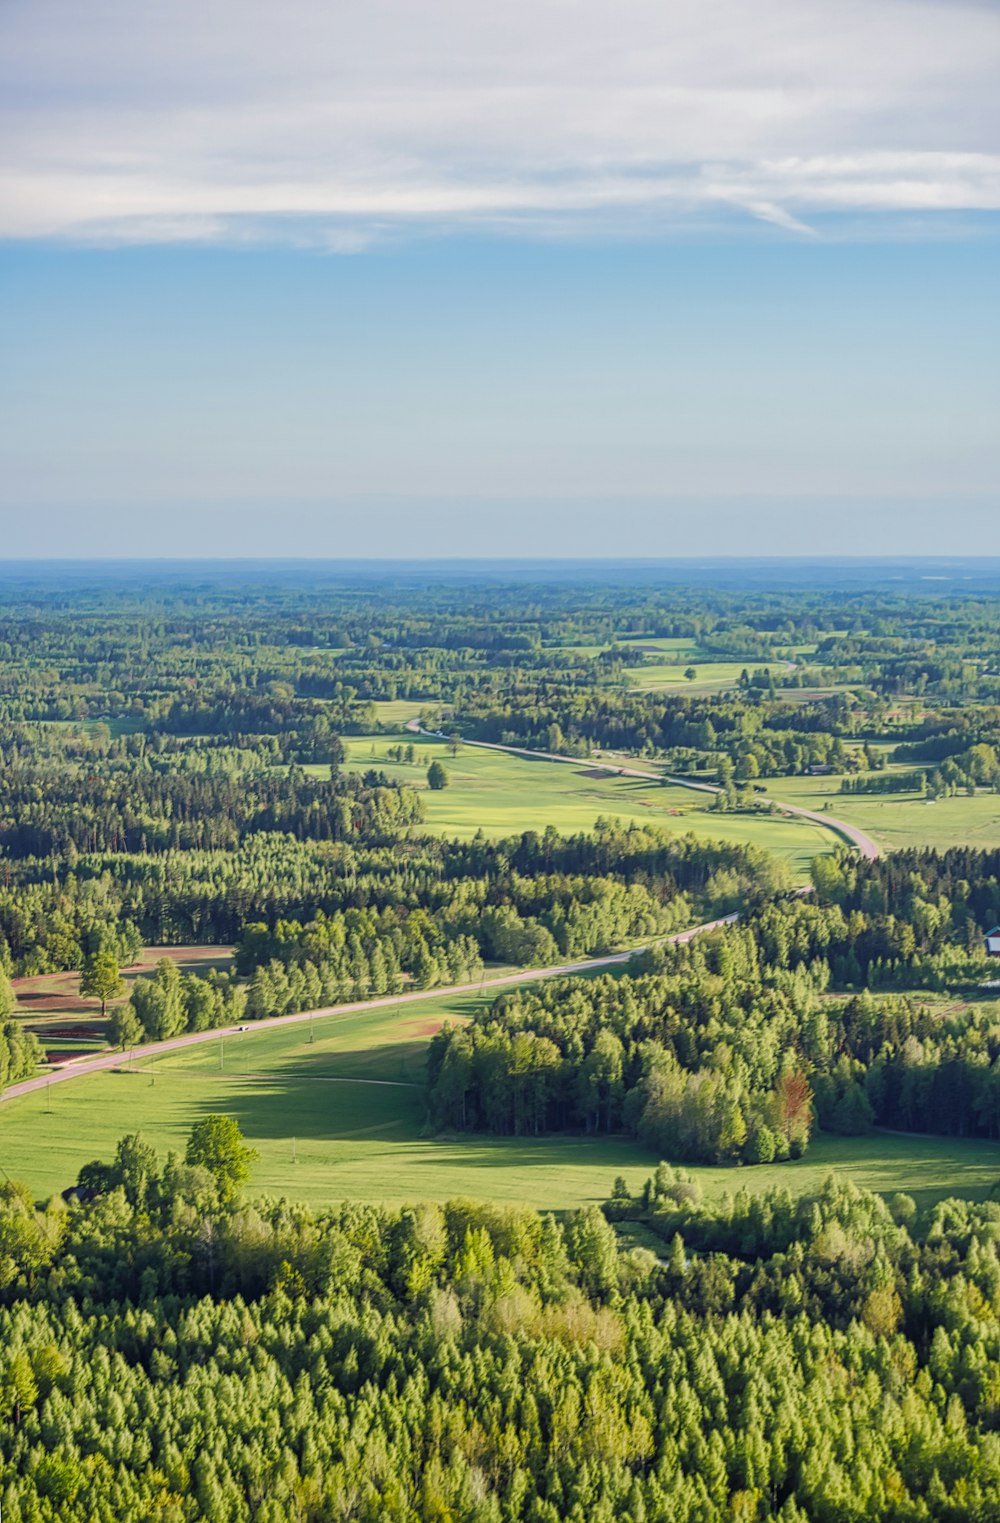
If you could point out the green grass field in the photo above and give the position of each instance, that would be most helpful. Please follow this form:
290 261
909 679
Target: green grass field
342 1116
899 820
394 712
712 676
503 794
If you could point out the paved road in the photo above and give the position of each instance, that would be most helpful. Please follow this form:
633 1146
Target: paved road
864 843
851 833
74 1070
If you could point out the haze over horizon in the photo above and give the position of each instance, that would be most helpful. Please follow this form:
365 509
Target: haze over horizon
618 532
439 281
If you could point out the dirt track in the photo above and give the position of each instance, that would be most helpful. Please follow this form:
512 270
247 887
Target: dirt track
527 976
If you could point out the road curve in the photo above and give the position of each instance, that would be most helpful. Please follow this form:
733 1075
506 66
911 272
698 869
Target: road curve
851 833
107 1060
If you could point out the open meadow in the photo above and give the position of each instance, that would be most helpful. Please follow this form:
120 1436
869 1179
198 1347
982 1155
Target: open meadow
337 1111
503 794
898 820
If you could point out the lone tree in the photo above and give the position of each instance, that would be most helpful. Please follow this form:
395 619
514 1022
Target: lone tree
216 1143
437 777
101 979
125 1028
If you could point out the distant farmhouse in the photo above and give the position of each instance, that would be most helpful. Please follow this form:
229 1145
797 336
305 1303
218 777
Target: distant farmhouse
992 939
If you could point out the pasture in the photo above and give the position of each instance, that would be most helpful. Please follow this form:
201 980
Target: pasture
898 820
337 1112
503 794
654 676
393 713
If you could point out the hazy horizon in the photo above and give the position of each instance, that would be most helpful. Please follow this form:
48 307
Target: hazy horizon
447 279
621 529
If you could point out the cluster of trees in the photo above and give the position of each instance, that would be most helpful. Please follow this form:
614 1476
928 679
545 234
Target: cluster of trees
434 923
912 947
885 782
405 753
20 1051
727 1048
53 914
154 806
897 1063
703 1055
523 921
731 734
971 769
168 1349
169 1002
527 901
351 955
942 894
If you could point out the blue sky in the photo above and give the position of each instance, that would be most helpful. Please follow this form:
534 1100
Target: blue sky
391 279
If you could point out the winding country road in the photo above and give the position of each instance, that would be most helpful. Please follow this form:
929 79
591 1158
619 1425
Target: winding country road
850 833
76 1069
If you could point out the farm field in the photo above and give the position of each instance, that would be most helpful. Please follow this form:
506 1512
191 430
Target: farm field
342 1116
394 712
503 794
900 820
651 674
712 676
660 664
67 1024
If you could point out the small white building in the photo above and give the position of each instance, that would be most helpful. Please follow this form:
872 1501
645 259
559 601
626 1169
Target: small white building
992 939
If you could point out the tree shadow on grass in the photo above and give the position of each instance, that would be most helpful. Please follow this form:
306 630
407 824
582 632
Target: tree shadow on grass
274 1106
391 1063
382 1127
389 1116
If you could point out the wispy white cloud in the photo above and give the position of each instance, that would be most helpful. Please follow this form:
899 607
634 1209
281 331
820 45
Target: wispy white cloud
337 123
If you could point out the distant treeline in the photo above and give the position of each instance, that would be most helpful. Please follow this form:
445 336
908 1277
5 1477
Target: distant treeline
521 899
885 782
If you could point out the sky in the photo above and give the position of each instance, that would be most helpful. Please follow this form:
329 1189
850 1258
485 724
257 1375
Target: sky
415 277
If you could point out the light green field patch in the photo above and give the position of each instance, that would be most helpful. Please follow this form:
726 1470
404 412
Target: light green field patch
712 676
394 712
897 820
675 648
342 1116
503 794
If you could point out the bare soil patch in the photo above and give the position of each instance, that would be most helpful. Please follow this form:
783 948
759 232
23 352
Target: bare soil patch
430 1027
58 1057
36 1000
193 955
